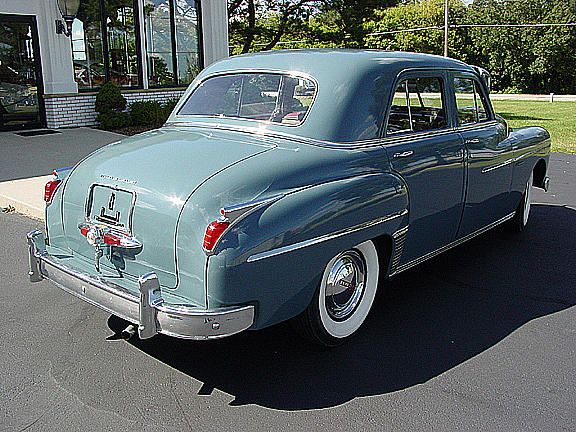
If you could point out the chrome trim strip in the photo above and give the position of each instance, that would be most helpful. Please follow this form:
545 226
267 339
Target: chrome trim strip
500 165
289 248
509 161
146 308
432 254
236 213
476 125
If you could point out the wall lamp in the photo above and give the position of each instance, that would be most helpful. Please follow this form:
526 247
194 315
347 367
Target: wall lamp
69 10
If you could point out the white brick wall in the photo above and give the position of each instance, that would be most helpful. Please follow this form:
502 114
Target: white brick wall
78 109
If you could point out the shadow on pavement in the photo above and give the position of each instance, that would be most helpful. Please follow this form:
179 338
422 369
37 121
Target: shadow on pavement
427 321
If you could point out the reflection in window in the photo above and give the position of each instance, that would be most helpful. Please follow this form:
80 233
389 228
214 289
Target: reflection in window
171 41
104 44
187 47
87 47
122 52
158 29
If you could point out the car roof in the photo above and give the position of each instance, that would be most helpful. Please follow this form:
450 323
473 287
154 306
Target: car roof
330 61
352 83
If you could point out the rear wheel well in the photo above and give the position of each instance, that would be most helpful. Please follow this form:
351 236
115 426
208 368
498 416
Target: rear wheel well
539 173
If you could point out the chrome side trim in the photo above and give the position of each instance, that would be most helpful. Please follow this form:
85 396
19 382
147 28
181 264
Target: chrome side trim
509 161
500 165
234 214
146 308
432 254
326 237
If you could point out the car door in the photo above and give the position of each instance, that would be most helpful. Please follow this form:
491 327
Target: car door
425 150
489 157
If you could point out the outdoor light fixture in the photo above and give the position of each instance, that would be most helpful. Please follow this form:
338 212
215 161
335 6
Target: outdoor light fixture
68 9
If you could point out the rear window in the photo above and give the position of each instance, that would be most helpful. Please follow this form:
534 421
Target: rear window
268 97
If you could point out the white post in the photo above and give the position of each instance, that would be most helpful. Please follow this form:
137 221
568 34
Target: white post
214 30
142 44
445 28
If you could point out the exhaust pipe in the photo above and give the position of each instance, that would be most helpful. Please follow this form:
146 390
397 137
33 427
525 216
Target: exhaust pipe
128 332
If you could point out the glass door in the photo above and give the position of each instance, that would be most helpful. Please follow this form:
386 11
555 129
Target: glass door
20 75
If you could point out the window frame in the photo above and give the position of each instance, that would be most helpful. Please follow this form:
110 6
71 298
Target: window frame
478 85
441 75
283 73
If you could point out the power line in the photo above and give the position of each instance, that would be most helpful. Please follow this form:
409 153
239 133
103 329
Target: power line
415 29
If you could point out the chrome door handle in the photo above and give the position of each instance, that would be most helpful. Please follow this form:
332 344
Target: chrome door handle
472 141
404 154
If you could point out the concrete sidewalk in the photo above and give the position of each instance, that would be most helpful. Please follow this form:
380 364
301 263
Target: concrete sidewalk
26 163
26 196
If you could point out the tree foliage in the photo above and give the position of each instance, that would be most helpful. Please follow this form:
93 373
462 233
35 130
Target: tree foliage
520 59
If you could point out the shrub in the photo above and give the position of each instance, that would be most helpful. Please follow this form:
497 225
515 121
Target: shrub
114 120
169 107
149 113
109 99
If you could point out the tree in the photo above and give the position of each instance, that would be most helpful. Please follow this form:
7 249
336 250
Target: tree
265 21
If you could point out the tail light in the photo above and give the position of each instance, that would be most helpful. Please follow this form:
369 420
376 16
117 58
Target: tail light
50 189
213 233
108 236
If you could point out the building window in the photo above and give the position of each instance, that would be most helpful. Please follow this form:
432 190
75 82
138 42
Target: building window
87 46
104 44
172 42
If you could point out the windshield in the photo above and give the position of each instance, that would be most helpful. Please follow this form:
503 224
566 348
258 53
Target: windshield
269 97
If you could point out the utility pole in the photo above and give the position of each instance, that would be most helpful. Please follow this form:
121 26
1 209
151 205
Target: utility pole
445 28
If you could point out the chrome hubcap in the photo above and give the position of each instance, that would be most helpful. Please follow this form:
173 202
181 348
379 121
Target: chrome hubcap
527 201
345 285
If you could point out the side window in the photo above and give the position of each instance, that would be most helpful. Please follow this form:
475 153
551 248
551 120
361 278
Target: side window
417 105
470 103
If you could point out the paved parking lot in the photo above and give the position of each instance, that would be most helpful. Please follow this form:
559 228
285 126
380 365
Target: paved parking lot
480 338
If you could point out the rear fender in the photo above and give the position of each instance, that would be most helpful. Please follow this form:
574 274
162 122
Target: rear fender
275 256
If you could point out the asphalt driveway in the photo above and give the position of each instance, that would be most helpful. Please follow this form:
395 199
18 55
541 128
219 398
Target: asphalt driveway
480 338
32 156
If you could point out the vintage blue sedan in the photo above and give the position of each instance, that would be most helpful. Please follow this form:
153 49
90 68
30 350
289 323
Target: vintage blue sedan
287 185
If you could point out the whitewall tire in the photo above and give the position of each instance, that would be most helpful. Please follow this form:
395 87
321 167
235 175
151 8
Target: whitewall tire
344 298
522 215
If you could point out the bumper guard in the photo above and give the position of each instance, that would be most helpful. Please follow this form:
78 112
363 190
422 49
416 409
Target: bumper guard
149 310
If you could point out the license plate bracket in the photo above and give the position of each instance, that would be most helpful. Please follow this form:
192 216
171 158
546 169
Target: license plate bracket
111 206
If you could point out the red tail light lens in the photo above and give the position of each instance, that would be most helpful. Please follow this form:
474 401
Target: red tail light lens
111 239
84 230
213 232
50 189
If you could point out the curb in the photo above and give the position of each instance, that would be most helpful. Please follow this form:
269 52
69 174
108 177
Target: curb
24 196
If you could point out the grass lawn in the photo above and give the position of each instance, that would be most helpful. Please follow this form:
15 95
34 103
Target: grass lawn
559 118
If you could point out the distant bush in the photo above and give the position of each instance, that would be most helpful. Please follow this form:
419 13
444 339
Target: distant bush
114 120
169 107
110 99
110 106
151 113
147 113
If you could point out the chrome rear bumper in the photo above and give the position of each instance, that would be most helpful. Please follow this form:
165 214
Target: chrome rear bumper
152 314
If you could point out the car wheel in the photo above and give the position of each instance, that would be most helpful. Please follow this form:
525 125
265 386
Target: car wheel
344 298
520 220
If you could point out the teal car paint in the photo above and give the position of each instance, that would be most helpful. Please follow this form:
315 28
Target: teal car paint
295 180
